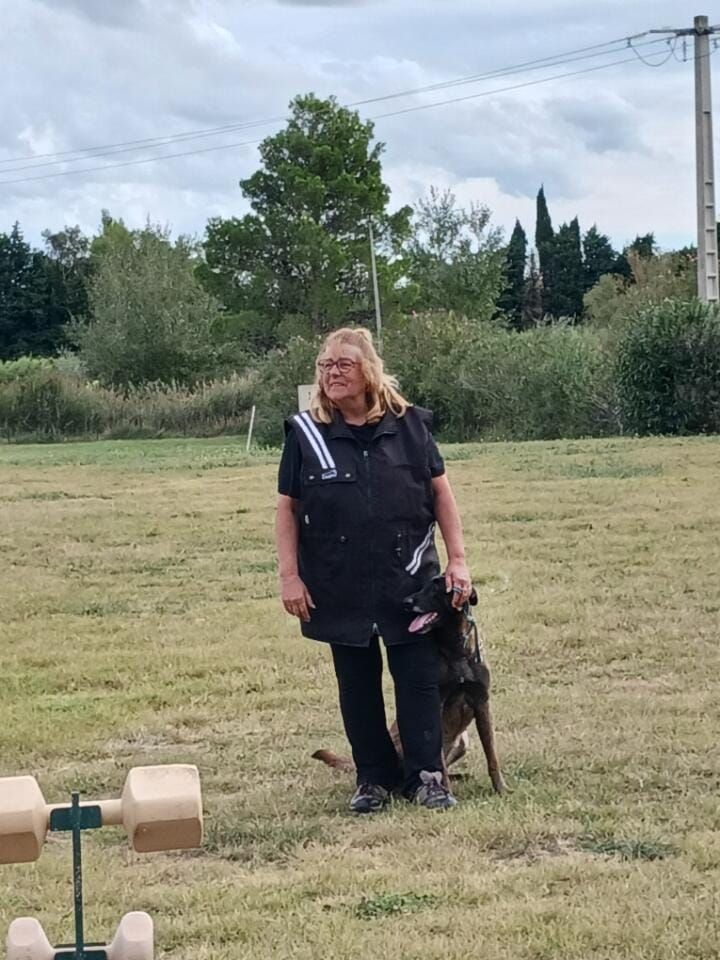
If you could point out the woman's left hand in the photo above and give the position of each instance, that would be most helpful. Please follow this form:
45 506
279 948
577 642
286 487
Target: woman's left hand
458 582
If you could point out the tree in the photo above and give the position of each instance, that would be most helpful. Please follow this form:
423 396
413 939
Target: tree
511 301
614 300
567 300
599 258
532 306
25 326
67 267
303 251
644 246
454 259
149 318
545 246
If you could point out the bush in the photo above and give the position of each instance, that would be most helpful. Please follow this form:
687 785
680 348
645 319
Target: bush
278 375
483 381
22 367
668 369
47 405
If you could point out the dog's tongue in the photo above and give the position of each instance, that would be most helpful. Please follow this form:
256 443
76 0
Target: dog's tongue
423 620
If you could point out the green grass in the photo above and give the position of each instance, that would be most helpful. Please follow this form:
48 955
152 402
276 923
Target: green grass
140 624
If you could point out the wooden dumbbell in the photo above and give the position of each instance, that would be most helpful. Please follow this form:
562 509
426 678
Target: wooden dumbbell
160 809
26 940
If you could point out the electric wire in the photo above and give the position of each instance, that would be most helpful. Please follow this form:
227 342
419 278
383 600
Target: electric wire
87 153
394 113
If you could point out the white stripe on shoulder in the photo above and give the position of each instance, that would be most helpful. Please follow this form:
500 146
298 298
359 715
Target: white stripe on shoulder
298 418
319 437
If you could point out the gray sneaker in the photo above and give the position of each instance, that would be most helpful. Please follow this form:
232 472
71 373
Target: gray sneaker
369 798
432 794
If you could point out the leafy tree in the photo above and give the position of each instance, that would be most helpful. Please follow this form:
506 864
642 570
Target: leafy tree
614 299
567 300
25 325
455 259
149 318
511 301
599 257
301 257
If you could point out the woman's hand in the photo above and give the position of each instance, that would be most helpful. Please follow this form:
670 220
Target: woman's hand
458 582
295 597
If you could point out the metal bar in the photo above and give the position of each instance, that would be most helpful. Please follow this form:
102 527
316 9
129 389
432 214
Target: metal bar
77 877
62 818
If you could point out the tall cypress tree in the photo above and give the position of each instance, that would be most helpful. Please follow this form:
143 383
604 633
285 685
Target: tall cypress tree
568 293
511 301
545 245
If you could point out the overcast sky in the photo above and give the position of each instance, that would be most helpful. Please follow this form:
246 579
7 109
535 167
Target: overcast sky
614 146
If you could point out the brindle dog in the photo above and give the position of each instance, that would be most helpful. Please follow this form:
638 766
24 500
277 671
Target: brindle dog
464 679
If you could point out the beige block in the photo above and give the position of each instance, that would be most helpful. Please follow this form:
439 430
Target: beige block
23 820
134 938
26 940
162 808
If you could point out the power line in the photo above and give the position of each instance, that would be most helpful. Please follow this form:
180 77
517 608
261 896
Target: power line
394 113
86 153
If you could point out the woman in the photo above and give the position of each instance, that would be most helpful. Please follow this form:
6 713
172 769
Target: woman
361 488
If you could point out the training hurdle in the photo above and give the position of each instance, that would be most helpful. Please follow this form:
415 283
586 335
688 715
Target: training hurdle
160 809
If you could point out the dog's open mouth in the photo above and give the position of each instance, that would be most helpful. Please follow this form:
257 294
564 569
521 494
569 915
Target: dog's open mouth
423 622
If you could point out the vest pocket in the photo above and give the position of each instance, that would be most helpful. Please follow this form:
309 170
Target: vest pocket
323 559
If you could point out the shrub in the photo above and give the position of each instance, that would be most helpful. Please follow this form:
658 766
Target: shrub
22 367
668 369
45 404
482 380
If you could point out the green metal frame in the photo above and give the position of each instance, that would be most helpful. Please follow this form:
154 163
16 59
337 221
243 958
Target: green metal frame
75 819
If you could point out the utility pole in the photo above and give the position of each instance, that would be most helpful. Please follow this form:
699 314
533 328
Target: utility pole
707 245
376 291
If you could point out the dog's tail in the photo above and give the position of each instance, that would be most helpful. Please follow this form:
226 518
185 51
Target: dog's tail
333 760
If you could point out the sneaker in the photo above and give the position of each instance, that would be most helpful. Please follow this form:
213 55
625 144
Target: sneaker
432 794
369 798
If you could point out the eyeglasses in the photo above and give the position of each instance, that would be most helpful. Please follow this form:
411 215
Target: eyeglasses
344 365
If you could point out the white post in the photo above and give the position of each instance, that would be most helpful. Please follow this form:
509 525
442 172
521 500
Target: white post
376 291
250 429
707 262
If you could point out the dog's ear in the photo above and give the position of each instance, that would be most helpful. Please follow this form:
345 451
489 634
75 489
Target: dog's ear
473 598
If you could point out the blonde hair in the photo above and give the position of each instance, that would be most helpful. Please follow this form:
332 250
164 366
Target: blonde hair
381 391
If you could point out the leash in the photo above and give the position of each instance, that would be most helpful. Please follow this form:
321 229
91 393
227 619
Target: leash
472 630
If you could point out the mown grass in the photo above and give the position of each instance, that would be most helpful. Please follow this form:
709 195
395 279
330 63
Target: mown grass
140 624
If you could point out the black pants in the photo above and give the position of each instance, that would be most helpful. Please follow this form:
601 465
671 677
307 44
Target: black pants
415 670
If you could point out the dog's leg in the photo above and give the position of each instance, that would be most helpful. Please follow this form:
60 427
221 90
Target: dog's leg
484 724
394 732
445 773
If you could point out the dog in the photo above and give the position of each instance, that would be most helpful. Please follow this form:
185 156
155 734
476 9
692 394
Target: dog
464 679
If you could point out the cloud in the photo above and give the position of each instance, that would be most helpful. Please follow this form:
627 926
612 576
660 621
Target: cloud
324 3
102 12
614 147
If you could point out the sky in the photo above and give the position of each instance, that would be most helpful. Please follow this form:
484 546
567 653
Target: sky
613 146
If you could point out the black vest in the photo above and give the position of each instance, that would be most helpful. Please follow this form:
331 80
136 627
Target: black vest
366 525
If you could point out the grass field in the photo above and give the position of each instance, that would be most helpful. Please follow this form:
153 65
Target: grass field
140 624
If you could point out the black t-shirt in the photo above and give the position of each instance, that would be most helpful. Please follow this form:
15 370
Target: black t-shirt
289 474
